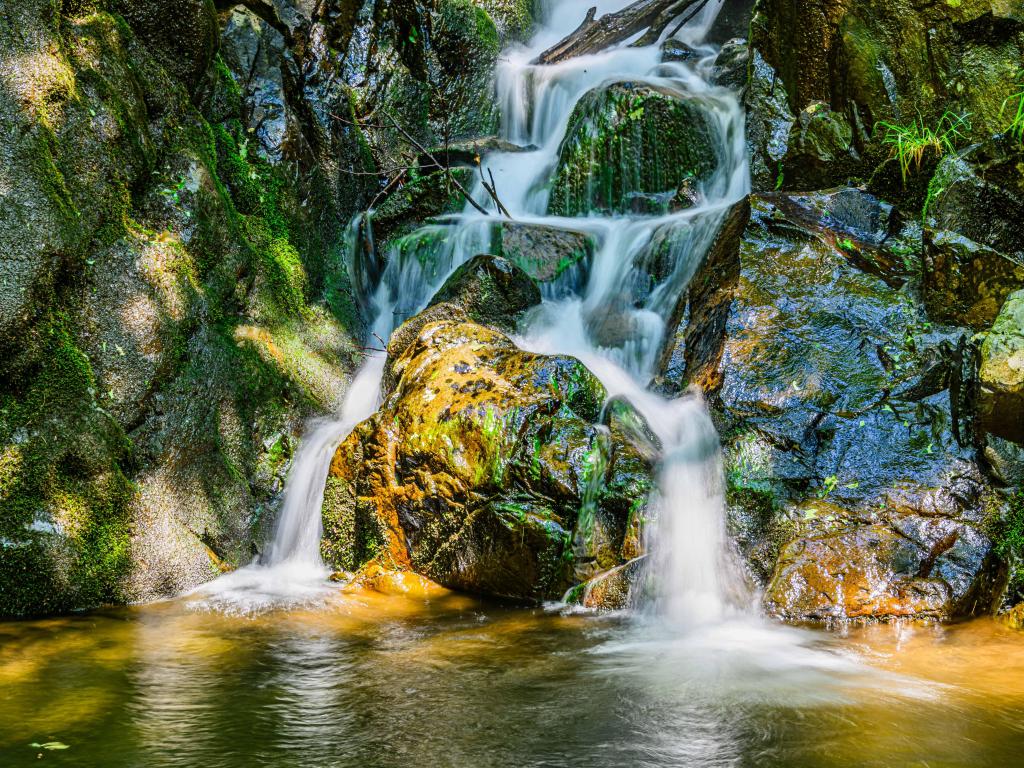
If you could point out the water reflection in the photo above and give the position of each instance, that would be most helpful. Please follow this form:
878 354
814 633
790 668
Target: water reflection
446 680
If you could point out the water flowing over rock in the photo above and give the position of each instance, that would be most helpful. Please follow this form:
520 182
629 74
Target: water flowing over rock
486 469
843 418
628 140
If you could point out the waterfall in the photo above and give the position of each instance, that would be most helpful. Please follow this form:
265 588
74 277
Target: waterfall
691 561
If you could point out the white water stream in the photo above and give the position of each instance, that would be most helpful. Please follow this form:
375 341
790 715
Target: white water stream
697 582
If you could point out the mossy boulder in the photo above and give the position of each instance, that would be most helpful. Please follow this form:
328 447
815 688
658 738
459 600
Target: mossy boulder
491 291
476 470
626 140
1001 401
557 259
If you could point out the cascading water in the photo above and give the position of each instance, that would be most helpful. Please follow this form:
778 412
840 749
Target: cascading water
688 542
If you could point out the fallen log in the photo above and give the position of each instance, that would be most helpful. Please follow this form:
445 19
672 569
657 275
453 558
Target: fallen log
652 17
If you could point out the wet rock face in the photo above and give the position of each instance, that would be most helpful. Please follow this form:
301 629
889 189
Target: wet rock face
1001 402
910 567
625 140
181 33
879 59
769 122
840 407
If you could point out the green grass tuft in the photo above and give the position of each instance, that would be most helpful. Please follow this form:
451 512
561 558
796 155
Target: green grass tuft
1016 127
909 143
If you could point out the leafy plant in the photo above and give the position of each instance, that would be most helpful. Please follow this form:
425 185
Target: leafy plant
910 142
1016 126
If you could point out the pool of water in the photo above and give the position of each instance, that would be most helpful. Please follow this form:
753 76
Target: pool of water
436 679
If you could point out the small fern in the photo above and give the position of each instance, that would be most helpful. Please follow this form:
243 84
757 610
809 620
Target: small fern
910 142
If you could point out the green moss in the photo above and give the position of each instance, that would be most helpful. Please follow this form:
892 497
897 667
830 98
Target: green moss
64 518
624 141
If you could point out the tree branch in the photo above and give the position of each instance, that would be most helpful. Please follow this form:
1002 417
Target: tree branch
592 36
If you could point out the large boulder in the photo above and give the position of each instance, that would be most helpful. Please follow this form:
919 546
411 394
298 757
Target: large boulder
838 401
488 469
1001 401
483 471
625 142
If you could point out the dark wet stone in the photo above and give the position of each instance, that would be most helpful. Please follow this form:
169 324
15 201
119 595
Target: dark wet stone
491 290
965 282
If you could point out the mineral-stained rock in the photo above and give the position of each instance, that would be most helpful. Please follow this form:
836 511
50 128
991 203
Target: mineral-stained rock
477 469
1001 406
965 282
831 387
908 567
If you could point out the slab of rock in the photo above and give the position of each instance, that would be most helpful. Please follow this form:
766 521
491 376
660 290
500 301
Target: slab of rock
908 567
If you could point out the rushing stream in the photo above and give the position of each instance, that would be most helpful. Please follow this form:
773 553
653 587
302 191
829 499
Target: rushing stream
274 665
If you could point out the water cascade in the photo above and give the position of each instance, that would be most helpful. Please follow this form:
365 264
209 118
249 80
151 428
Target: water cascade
692 573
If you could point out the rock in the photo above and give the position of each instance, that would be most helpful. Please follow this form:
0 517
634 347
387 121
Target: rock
965 282
558 259
611 591
828 382
1014 618
625 139
979 194
255 52
407 209
909 567
491 290
1001 400
732 65
894 59
732 21
698 320
821 151
769 123
182 34
673 50
1005 460
477 469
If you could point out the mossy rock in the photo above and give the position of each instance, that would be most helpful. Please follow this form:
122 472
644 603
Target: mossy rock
491 291
627 139
1001 401
484 467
